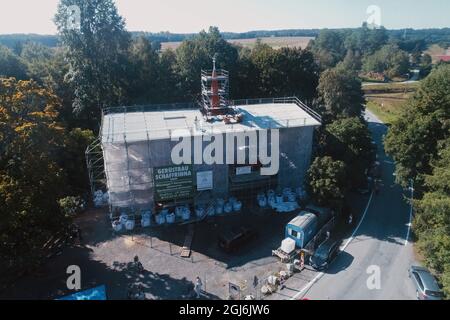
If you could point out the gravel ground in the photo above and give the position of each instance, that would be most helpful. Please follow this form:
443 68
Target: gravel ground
106 258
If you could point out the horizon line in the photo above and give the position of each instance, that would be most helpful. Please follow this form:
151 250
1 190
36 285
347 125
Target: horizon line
244 32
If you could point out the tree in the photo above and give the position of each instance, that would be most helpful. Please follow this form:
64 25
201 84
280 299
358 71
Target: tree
246 82
413 139
340 94
268 75
56 80
326 181
72 159
365 40
389 60
97 53
11 65
432 220
419 142
349 140
37 57
169 80
143 75
425 65
328 48
196 54
31 180
301 73
352 62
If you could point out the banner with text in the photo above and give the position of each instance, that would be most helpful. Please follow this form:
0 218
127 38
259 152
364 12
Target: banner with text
173 182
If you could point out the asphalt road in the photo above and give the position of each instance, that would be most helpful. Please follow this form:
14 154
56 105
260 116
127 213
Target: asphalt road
379 243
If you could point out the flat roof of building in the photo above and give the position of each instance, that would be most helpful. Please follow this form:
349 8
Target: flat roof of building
155 125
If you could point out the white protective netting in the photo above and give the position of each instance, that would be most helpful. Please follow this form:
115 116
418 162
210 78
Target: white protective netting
129 175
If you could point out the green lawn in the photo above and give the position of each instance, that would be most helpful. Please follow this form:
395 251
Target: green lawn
392 87
387 106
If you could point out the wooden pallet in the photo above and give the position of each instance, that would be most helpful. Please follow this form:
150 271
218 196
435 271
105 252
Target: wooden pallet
186 250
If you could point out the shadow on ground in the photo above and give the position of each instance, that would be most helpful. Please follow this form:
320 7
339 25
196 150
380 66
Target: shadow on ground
49 282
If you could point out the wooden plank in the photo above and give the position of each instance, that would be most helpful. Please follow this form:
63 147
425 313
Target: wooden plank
186 250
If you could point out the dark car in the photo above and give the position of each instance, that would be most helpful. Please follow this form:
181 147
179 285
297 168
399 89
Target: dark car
426 285
233 239
325 254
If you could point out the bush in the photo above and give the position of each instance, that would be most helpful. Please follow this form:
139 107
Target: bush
72 206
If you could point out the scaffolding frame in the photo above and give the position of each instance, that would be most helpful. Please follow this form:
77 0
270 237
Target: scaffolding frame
96 166
95 161
222 78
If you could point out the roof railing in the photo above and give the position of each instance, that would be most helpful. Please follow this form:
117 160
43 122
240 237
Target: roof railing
195 105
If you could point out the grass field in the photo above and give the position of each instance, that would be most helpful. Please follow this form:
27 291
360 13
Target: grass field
387 100
387 106
392 87
274 42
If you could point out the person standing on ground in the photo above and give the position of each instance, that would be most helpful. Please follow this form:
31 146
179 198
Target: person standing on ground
198 287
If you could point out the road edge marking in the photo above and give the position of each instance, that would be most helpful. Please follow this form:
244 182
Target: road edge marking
411 211
352 237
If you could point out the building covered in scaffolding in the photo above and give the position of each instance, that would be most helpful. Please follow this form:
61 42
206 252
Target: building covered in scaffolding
137 156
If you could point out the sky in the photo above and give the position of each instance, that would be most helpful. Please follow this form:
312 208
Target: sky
189 16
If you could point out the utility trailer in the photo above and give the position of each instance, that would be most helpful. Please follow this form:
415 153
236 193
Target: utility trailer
309 229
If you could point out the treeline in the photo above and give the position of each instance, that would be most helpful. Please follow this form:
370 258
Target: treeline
408 38
371 53
419 141
121 70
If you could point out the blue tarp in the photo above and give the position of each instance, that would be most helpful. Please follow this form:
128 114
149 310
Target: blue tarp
98 293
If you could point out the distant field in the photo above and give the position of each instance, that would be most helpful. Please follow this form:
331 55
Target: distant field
274 42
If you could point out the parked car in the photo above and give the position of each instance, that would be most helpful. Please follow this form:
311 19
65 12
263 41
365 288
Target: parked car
233 239
426 285
325 254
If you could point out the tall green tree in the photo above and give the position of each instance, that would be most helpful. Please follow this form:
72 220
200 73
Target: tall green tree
169 80
11 65
97 53
328 48
143 72
37 57
326 182
390 60
340 94
196 54
349 140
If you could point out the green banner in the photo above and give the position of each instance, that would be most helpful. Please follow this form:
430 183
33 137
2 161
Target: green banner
173 182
